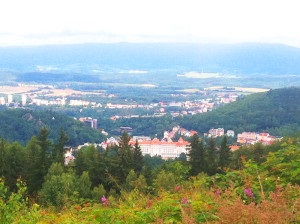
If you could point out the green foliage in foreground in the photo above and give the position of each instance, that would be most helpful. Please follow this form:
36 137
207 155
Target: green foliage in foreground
260 191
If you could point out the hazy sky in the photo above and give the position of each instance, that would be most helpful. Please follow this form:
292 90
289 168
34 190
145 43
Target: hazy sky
31 22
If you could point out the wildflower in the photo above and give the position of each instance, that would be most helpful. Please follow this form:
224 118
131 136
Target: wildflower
104 200
248 192
77 207
149 204
218 192
184 201
177 188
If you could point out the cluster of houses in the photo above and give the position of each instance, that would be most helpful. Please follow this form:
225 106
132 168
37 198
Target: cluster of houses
218 132
168 148
247 138
177 130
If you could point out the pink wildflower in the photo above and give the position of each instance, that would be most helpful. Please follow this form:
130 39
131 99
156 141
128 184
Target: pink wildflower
248 192
104 200
177 188
184 201
218 192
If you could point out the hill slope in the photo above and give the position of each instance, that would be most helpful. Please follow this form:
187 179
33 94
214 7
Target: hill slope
20 125
276 111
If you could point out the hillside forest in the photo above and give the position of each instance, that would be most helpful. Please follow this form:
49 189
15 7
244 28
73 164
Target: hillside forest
211 184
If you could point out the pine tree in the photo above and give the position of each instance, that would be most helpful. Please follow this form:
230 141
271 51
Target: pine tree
84 185
58 149
212 159
225 153
45 145
258 153
34 169
2 157
138 159
197 155
15 158
125 156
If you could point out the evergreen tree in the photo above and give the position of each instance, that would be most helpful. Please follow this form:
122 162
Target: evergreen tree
125 156
211 158
79 163
225 153
147 173
2 157
98 192
84 185
59 150
138 159
131 177
258 153
58 187
197 155
45 145
15 158
34 168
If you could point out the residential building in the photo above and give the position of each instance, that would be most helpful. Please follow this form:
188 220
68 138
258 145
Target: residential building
2 101
218 132
125 129
230 133
9 98
253 137
69 156
24 99
91 121
109 143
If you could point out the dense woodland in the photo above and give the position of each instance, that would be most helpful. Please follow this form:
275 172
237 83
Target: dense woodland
255 184
21 124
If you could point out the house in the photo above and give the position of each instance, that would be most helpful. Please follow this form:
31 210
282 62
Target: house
234 147
230 133
69 156
88 120
218 132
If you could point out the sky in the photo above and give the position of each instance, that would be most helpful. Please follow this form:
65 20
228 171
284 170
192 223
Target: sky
39 22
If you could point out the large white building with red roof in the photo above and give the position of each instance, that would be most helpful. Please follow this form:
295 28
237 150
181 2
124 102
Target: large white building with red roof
165 149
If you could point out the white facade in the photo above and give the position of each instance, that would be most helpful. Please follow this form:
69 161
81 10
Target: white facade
167 150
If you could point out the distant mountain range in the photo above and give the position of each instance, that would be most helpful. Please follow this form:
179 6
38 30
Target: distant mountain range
242 59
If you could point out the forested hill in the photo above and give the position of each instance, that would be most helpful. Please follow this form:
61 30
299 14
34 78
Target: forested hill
20 125
276 111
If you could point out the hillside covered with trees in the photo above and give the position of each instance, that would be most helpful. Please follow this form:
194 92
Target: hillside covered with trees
275 111
20 125
257 184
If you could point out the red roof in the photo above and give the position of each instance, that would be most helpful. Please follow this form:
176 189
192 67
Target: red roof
156 141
